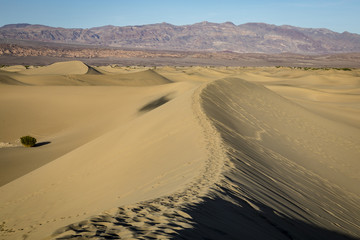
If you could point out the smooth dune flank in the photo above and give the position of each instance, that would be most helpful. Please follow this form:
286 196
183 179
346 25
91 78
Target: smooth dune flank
60 68
179 153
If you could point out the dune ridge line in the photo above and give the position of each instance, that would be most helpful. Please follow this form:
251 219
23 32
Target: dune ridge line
167 212
278 193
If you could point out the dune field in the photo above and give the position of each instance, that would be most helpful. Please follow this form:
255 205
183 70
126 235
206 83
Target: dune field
179 152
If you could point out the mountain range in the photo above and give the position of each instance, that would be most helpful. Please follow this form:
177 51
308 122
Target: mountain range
204 36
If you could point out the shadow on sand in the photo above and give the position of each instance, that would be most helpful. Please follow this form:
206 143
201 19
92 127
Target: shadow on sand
40 144
216 218
154 104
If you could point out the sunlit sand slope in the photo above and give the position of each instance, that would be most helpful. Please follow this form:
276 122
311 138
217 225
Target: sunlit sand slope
60 68
156 152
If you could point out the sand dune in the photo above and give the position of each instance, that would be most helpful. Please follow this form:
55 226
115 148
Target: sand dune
332 94
8 79
68 118
143 78
113 69
289 174
183 153
60 68
65 74
341 106
121 167
14 68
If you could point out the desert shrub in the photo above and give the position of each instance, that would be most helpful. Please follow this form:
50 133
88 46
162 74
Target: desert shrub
345 69
28 141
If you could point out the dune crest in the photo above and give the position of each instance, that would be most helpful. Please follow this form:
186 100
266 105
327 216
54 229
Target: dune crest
59 68
289 176
76 73
155 154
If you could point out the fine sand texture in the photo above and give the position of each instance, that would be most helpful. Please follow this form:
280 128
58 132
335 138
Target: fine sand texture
179 152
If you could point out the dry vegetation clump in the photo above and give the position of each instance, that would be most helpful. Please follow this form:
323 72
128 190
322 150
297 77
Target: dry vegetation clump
28 141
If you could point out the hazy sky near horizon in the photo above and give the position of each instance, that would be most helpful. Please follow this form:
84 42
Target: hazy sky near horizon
336 15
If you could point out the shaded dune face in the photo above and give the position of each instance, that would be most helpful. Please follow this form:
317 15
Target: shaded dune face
270 191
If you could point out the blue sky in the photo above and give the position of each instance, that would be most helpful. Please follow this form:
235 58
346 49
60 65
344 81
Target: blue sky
337 15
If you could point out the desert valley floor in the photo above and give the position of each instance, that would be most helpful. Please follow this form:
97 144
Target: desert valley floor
179 152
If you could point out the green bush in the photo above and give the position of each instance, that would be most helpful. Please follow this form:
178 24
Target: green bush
343 69
28 141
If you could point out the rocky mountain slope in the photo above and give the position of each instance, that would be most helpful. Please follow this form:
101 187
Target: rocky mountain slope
204 36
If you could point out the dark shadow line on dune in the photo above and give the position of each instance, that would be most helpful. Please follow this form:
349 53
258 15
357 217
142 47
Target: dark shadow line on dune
155 104
41 144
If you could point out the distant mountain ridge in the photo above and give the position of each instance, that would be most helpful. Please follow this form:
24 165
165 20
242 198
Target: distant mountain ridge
204 36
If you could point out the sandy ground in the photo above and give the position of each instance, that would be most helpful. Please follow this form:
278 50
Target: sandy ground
179 152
